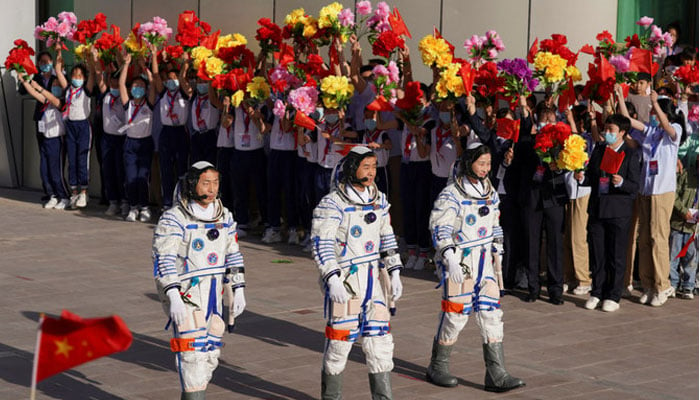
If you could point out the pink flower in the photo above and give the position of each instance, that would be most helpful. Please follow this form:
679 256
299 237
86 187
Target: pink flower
493 53
382 10
67 16
693 114
621 63
393 71
364 7
380 70
645 21
146 27
668 39
491 34
38 31
655 33
51 24
304 99
346 18
65 29
279 108
500 46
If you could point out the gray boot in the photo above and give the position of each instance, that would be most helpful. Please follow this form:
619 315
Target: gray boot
439 368
380 385
200 395
331 386
497 378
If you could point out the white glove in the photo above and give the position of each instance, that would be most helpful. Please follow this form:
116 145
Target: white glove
454 269
396 286
336 290
178 311
238 302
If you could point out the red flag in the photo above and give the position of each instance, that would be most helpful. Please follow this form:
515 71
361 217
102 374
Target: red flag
508 129
625 89
438 35
642 61
397 24
210 41
531 53
346 149
380 104
71 340
468 76
333 56
611 161
303 120
684 250
607 71
588 49
285 55
568 96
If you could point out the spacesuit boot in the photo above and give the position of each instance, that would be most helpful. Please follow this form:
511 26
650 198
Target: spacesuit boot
331 386
439 368
200 395
380 385
497 378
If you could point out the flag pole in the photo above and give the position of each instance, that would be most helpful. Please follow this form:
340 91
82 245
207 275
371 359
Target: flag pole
32 395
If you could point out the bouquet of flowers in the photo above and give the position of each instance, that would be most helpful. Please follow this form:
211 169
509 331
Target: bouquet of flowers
134 43
336 91
550 141
155 32
483 48
304 99
233 82
282 81
411 105
300 27
386 80
258 91
573 156
488 83
334 21
450 85
601 81
654 39
686 75
109 45
435 51
518 78
88 29
387 43
57 30
19 59
269 35
554 63
190 30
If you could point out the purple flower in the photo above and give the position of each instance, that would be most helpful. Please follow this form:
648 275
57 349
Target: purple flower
393 71
364 7
621 63
346 18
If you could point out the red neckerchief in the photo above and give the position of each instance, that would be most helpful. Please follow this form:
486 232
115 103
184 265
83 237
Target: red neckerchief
69 101
372 137
171 105
228 131
137 108
441 136
407 145
331 133
111 102
198 111
246 121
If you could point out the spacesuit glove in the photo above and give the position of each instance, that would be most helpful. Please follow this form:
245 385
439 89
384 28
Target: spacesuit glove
238 302
454 268
178 311
336 290
396 285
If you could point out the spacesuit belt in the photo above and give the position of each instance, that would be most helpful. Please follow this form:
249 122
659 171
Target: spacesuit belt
458 308
340 334
181 344
463 244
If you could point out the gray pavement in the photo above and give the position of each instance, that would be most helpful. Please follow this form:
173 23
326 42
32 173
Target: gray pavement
96 266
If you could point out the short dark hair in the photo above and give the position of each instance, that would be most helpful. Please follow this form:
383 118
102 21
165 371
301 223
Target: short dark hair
366 68
503 112
378 61
620 121
43 53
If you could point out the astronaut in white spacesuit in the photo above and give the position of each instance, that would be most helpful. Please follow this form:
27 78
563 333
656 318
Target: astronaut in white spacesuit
468 243
357 256
198 267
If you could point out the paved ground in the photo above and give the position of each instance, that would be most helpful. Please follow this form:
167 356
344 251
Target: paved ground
96 266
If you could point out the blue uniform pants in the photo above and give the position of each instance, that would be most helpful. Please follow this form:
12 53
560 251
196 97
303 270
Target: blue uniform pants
172 153
138 154
78 138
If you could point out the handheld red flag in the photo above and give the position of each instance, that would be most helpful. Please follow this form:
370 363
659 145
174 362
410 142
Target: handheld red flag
346 149
568 96
508 129
607 71
380 104
641 60
611 161
70 340
532 52
587 49
397 24
210 41
303 120
684 250
468 76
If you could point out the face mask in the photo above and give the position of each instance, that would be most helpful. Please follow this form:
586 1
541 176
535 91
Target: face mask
138 91
202 88
56 91
445 117
114 92
610 138
370 124
541 125
144 77
332 118
76 83
172 84
45 68
653 121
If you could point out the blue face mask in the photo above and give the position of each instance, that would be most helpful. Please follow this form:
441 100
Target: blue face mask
370 124
172 84
45 68
610 138
56 91
653 121
445 117
138 91
202 88
76 83
114 92
332 118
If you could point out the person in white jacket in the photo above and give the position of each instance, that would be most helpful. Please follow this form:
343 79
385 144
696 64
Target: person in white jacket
197 265
357 256
468 242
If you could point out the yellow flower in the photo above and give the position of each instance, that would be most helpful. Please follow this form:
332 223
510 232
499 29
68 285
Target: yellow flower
81 51
237 98
258 88
231 40
574 73
450 82
336 91
200 54
133 44
573 156
310 27
215 66
294 17
434 51
551 65
329 15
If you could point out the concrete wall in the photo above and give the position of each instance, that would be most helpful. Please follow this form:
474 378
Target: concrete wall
514 20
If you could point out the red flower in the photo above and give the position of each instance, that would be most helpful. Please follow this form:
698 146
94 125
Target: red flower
190 29
269 35
89 28
386 43
237 56
487 80
173 52
19 58
544 141
633 41
110 40
413 96
687 74
605 36
234 80
556 134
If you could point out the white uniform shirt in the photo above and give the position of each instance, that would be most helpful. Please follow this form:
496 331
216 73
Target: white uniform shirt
173 108
409 147
225 137
309 150
203 115
328 155
378 136
51 122
246 136
280 140
660 153
77 104
139 120
113 116
443 151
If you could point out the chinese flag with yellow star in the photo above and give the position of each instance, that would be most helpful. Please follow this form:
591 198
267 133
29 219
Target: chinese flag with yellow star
71 340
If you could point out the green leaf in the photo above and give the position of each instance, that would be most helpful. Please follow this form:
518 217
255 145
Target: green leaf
282 261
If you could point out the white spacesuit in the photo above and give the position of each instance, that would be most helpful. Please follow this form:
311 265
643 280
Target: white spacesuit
356 251
197 264
468 243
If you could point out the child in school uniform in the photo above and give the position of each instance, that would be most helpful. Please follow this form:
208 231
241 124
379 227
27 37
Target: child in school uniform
334 131
204 115
307 156
50 126
375 137
224 153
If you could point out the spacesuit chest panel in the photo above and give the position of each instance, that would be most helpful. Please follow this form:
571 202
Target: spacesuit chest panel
359 235
476 219
206 249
